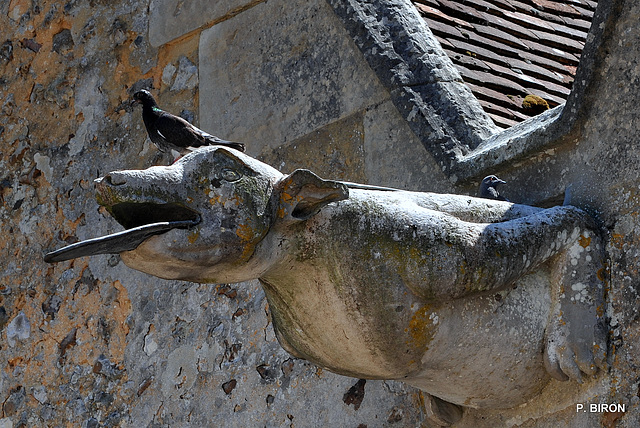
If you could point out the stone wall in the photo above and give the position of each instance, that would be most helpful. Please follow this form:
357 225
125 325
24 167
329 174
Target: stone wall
93 343
599 159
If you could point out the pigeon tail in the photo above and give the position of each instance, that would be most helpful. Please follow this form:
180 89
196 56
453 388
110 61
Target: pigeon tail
215 141
567 195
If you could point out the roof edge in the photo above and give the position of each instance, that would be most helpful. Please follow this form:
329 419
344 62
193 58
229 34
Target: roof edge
438 106
423 83
532 135
556 126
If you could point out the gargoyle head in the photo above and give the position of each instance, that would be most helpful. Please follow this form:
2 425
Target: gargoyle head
226 193
201 218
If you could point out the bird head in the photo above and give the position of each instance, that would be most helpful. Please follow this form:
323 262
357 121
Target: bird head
492 181
488 188
143 97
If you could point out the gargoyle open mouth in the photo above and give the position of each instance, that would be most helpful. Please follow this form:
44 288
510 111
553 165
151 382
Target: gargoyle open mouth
131 214
142 221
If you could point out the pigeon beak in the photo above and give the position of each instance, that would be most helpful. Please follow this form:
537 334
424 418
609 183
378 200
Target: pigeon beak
134 103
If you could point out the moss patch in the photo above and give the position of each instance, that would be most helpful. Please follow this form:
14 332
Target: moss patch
534 104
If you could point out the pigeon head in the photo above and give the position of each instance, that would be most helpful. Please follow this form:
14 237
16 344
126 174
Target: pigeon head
492 181
488 188
143 97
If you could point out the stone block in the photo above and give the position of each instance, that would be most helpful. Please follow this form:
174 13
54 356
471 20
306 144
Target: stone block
334 151
278 71
170 19
395 157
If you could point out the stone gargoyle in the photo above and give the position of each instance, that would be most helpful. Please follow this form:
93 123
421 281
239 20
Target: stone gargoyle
477 302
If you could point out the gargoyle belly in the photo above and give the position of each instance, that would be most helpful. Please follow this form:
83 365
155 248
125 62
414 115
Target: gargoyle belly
330 332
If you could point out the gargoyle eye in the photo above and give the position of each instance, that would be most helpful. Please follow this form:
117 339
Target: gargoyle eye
230 175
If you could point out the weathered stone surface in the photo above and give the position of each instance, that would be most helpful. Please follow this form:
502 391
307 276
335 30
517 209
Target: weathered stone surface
292 71
186 75
18 329
62 42
375 146
400 318
337 150
598 158
101 340
70 86
422 81
54 105
207 347
171 19
395 157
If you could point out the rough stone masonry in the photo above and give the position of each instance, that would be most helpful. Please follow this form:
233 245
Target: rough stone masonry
95 343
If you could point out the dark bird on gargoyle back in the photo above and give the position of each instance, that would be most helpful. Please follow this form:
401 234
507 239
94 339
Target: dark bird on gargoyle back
171 132
489 188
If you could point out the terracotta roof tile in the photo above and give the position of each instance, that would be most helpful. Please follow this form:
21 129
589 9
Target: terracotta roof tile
540 72
545 49
478 52
569 32
558 7
579 23
499 98
529 21
501 121
446 30
493 81
497 110
551 64
467 11
561 42
500 35
491 7
467 60
510 27
503 5
507 49
584 12
437 14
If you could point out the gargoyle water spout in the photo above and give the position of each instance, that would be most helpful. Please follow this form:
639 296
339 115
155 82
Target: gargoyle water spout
475 301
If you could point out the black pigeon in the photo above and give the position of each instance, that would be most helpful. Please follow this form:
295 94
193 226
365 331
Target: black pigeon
488 188
170 132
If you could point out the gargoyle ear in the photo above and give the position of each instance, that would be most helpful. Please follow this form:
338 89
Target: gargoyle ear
303 194
229 156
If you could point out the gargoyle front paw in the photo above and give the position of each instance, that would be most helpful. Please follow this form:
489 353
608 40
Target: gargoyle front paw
575 342
576 335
